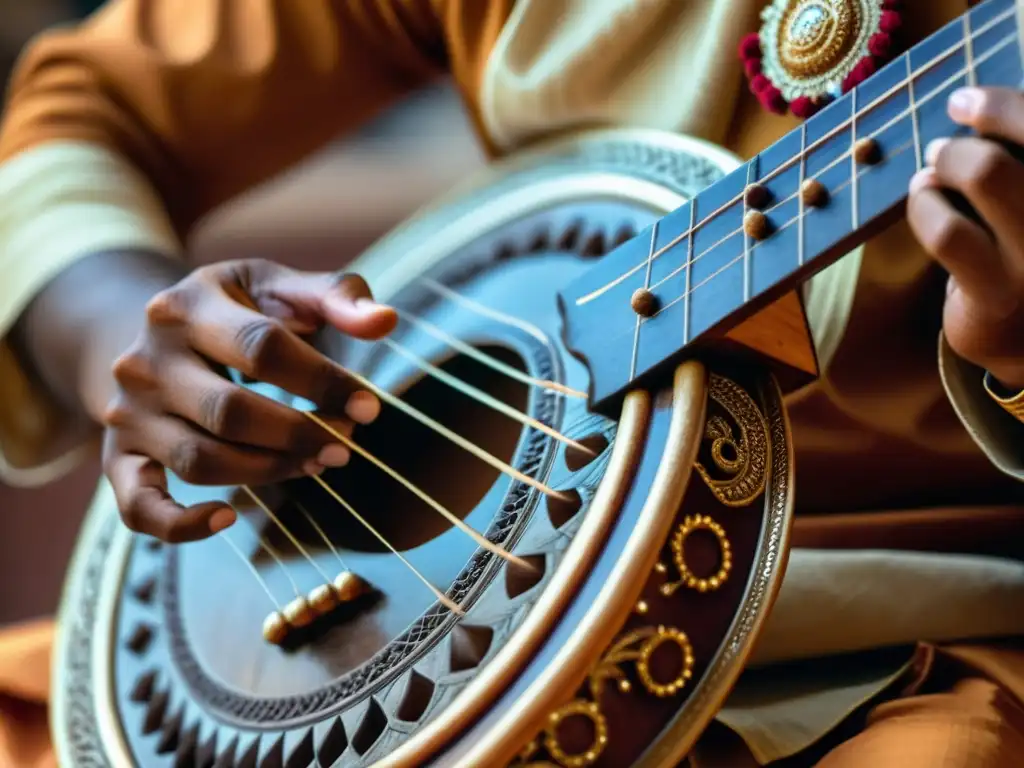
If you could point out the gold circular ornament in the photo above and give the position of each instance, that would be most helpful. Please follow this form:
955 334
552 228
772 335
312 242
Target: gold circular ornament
676 684
815 36
688 577
809 52
577 708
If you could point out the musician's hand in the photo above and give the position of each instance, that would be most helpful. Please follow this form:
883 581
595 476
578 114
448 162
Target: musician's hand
174 409
983 318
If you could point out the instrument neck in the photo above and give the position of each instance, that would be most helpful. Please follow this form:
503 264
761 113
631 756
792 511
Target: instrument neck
783 215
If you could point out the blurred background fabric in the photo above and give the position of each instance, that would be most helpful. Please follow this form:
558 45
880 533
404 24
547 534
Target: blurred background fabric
319 216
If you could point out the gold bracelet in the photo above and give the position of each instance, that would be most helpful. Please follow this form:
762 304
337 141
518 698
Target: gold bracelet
1013 405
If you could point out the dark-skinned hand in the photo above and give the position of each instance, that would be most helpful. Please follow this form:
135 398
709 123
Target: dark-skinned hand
983 318
176 410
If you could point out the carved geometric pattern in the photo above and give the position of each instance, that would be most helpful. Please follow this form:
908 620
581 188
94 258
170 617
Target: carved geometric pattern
160 700
388 663
468 645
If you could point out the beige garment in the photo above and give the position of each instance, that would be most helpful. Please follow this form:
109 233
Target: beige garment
70 200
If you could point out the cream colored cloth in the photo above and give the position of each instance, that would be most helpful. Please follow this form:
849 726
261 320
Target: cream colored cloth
58 203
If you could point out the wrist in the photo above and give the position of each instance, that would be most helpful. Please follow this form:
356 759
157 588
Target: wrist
137 278
84 319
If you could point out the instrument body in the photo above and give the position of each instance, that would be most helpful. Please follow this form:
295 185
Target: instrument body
160 660
654 568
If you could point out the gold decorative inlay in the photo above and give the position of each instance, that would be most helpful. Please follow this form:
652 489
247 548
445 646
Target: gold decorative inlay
741 440
743 458
637 646
687 577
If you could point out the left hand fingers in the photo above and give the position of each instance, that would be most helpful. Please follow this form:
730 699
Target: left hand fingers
994 112
991 179
961 246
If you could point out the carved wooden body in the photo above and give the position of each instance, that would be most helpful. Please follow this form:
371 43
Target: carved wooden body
160 658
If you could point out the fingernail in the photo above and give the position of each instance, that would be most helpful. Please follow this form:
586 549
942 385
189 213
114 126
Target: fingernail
964 103
931 152
922 180
313 468
333 455
362 407
367 306
222 519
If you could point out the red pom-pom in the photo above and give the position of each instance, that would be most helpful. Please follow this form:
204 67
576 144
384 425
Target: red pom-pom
758 83
880 45
864 69
752 66
771 99
803 106
890 21
750 47
867 66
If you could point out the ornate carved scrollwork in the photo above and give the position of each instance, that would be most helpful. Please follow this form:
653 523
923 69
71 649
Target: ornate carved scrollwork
744 459
741 446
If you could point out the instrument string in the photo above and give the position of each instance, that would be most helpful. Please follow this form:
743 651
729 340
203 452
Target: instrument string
479 395
324 536
481 309
444 599
253 569
488 360
270 550
647 286
442 430
798 157
277 521
839 187
422 495
841 158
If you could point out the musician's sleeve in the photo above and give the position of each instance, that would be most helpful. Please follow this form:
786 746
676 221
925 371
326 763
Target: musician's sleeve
122 131
987 415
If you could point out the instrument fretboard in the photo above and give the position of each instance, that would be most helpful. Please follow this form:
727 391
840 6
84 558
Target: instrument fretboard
707 272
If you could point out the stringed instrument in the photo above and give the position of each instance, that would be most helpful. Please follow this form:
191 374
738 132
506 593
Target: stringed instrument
560 540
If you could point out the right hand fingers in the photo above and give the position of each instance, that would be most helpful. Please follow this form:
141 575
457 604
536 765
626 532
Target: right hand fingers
137 454
265 350
196 457
246 315
140 487
349 307
238 415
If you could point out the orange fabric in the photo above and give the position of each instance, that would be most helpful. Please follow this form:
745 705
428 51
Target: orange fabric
24 691
975 530
976 723
956 707
211 97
